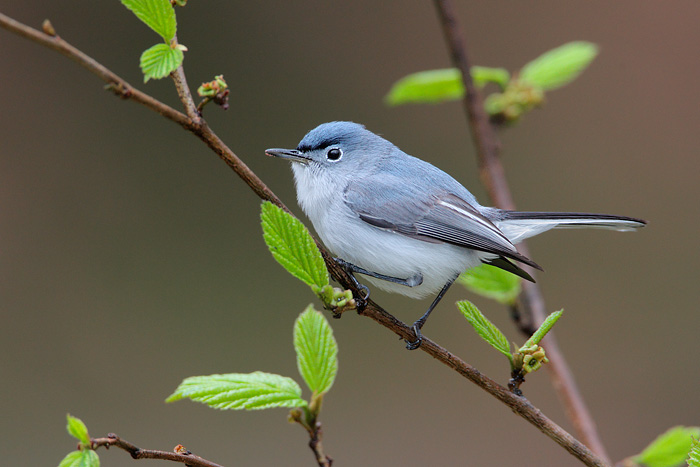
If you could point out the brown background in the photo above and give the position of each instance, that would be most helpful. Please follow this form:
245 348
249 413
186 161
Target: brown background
131 257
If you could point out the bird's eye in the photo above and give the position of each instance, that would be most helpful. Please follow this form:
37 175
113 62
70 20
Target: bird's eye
334 154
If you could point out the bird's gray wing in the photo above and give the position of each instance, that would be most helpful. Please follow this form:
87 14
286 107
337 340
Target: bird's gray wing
392 205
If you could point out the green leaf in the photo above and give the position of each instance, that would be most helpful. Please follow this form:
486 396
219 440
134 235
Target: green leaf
543 329
492 282
292 246
485 328
316 350
158 15
430 86
694 454
236 391
483 75
669 449
433 86
559 66
159 61
77 429
84 458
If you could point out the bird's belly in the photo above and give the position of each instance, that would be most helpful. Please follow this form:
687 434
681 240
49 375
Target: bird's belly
392 254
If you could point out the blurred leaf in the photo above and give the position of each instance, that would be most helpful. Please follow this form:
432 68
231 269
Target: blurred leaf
543 329
316 349
492 282
159 61
236 391
77 429
292 246
433 86
84 458
485 328
483 75
430 86
694 454
559 66
158 15
670 448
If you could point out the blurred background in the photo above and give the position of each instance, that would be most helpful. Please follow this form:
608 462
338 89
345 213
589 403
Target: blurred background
132 257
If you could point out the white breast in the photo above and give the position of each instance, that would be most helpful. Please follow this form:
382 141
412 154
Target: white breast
377 250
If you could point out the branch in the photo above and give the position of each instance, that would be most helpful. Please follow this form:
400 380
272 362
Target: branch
518 404
316 446
307 418
494 179
183 91
182 455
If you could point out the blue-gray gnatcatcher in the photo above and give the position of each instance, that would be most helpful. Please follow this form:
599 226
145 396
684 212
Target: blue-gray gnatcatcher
403 223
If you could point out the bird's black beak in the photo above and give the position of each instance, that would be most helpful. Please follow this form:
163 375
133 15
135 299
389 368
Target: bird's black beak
289 154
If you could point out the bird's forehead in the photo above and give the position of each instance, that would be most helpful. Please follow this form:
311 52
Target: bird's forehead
329 134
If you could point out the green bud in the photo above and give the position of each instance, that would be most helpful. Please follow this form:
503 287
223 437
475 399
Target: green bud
533 357
518 98
215 90
295 415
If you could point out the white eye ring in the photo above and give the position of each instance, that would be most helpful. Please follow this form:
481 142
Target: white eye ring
334 154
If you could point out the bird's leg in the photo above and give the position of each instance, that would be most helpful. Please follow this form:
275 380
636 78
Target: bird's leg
412 281
350 269
421 321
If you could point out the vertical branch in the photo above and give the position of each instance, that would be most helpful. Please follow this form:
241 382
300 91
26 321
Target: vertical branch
494 179
316 446
487 145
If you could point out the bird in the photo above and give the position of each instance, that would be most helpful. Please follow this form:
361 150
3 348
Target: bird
403 224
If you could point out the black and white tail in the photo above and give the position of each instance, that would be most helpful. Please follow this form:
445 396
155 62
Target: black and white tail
519 225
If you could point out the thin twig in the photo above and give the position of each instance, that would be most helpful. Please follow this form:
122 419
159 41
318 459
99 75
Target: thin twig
518 404
316 445
493 177
185 457
307 418
183 91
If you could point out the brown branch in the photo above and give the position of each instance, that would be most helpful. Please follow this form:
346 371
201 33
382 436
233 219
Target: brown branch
519 405
183 91
183 456
316 445
307 417
494 179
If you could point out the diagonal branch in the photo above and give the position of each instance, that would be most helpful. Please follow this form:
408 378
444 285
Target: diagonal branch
493 177
518 404
181 455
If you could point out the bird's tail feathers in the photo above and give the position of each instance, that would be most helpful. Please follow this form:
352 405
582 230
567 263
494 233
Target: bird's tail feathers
519 225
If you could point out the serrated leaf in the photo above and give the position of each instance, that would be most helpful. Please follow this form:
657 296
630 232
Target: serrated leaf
543 329
316 349
670 448
559 66
77 429
694 454
433 86
292 246
485 328
237 391
84 458
158 15
159 61
492 282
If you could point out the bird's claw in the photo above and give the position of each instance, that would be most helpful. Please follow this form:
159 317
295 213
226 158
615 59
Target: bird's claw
413 345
